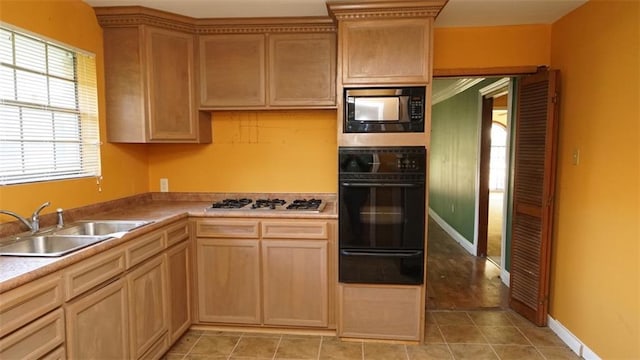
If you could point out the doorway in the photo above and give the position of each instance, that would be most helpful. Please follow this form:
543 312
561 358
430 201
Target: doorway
497 180
457 277
494 153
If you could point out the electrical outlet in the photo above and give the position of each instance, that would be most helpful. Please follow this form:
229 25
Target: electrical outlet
164 185
453 207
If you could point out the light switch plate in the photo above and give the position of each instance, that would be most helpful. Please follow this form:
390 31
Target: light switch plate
575 157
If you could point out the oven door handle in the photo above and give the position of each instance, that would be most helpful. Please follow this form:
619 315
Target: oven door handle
381 254
405 185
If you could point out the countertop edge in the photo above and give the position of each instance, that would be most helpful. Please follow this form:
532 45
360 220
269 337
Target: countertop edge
42 266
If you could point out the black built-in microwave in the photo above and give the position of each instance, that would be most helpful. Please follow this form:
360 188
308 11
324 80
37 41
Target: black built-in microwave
379 110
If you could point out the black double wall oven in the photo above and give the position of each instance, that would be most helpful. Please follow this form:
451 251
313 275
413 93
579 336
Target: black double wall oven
382 214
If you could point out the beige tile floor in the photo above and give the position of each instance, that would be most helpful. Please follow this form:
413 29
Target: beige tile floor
473 335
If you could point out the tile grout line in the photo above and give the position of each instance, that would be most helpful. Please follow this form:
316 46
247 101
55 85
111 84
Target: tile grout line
444 338
192 346
484 336
235 346
320 347
531 342
277 346
406 352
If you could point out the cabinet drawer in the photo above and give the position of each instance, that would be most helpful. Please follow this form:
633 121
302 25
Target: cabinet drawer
92 272
145 247
21 305
57 354
177 233
294 230
226 228
35 339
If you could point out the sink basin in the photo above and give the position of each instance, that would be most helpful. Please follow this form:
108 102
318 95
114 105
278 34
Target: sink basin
71 238
100 227
49 245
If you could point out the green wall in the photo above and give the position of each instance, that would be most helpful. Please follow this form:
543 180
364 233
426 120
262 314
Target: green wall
453 159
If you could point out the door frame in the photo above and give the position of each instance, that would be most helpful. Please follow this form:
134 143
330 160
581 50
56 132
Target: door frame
497 88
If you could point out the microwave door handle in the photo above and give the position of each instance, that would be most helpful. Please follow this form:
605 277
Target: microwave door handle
348 184
381 254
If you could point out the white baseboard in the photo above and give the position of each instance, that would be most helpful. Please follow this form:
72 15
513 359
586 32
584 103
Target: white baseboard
452 232
505 276
571 340
588 354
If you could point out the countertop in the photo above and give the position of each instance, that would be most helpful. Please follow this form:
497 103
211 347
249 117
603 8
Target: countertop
16 271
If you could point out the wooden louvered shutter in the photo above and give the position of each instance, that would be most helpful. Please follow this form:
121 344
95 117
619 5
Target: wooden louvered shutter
534 185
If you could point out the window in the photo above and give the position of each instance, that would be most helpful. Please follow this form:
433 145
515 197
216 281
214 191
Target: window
48 110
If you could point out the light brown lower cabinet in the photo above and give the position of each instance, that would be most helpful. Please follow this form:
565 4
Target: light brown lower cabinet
100 308
294 278
97 325
179 289
229 280
271 272
380 312
147 305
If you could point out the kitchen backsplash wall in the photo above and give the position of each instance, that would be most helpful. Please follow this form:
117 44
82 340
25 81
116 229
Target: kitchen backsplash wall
254 151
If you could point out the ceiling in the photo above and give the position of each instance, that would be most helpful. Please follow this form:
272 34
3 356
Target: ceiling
456 13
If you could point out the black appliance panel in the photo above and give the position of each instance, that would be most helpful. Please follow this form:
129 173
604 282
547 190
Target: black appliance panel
381 267
382 214
379 110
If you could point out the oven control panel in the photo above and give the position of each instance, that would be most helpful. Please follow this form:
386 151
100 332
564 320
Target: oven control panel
407 164
381 160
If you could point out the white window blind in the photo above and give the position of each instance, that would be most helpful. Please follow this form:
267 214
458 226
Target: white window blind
48 110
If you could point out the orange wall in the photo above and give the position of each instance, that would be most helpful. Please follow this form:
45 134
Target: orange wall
124 168
487 47
596 273
254 151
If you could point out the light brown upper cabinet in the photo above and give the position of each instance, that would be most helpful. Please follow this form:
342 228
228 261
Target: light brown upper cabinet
302 69
150 82
276 66
385 41
233 70
386 51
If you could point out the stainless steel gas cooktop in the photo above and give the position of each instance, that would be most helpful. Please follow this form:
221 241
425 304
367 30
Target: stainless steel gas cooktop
305 205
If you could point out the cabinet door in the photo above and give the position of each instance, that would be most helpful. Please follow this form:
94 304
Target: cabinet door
97 325
232 70
388 312
147 305
295 282
170 76
302 69
124 85
228 281
179 280
386 51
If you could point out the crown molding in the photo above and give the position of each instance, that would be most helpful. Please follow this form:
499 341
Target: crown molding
127 16
454 89
358 10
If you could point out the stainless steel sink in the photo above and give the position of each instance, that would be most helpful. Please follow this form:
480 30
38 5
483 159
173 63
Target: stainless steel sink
49 245
100 227
75 236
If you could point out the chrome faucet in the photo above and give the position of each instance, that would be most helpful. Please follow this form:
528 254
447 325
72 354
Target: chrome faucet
34 224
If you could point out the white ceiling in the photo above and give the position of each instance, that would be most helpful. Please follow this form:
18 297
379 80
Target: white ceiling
455 14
